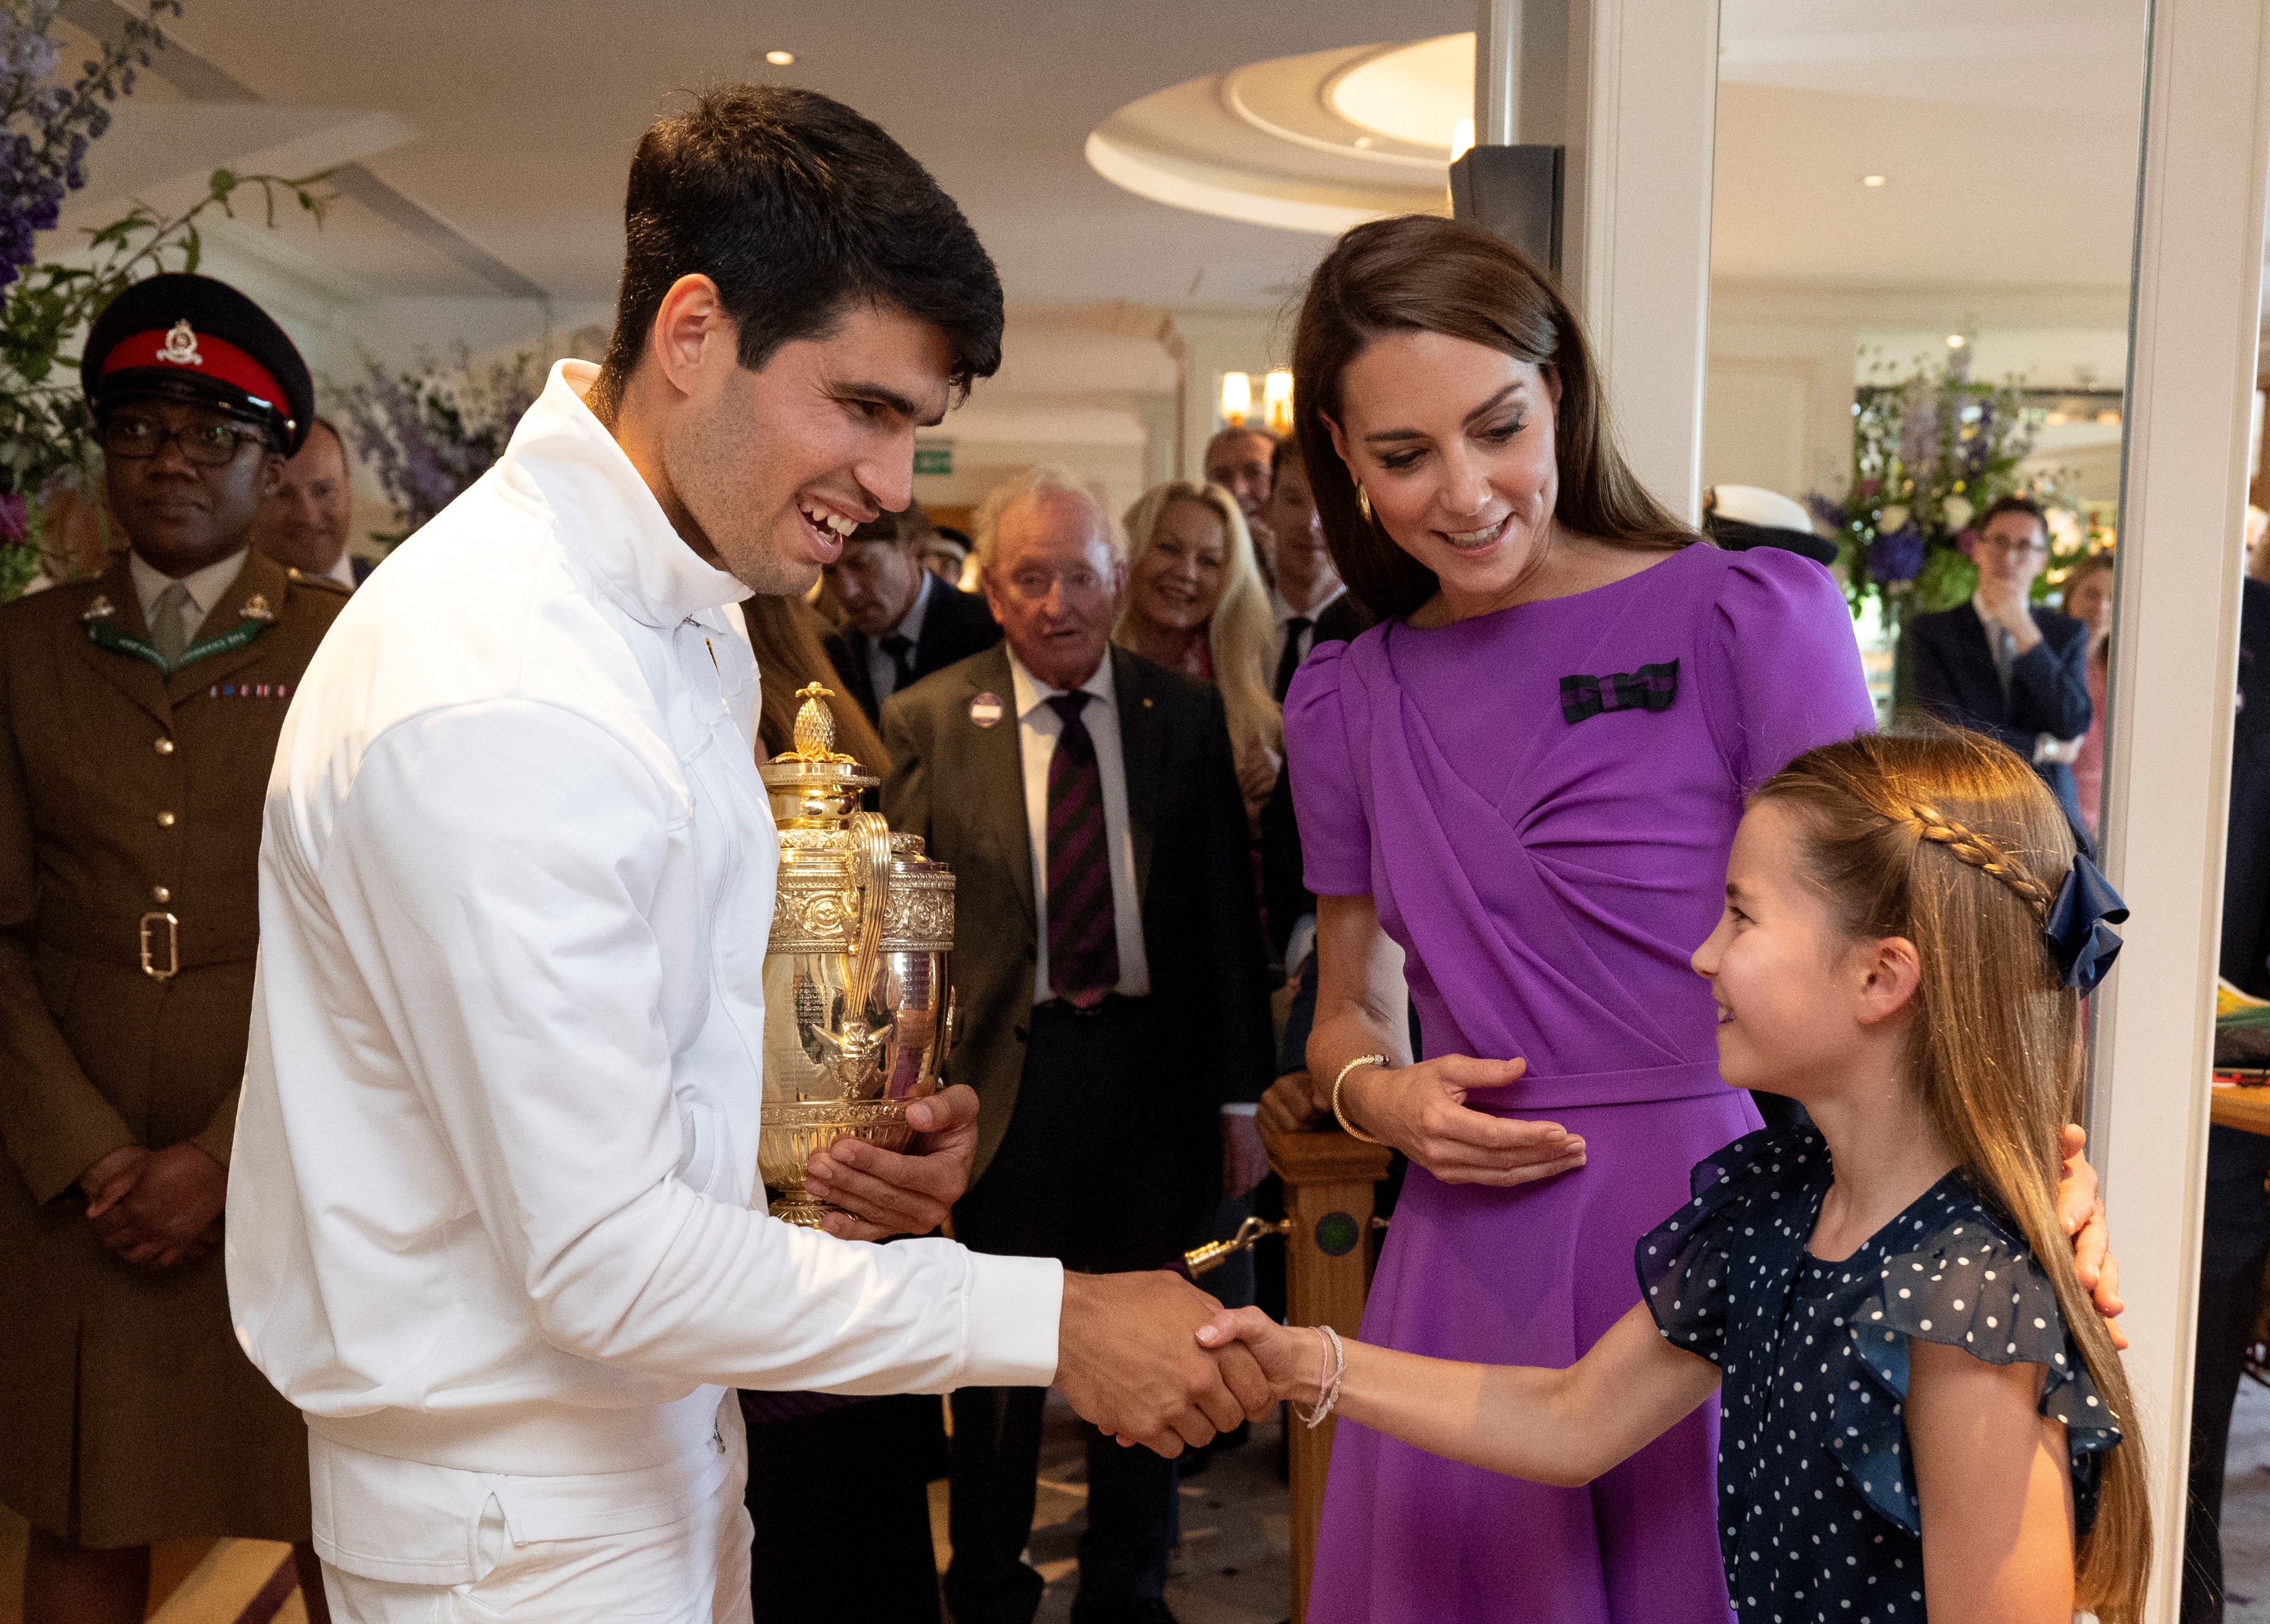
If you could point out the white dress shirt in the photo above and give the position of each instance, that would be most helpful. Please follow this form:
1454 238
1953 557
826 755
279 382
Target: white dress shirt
882 670
489 1208
1284 613
342 570
206 587
1038 729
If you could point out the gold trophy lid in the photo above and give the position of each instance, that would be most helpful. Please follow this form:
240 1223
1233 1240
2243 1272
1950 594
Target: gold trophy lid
815 763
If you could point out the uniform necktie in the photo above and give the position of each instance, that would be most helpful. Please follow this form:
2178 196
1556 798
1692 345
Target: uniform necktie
901 651
169 622
2005 656
1289 662
1083 934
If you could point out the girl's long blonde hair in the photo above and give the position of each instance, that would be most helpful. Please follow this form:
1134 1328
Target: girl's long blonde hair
1243 628
1947 839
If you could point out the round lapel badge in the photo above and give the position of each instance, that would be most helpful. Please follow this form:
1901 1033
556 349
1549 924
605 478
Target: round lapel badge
986 709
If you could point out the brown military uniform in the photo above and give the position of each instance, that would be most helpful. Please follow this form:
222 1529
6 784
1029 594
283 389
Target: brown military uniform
127 1412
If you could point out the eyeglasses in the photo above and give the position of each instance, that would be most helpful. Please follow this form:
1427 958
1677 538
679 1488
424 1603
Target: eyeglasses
208 445
2013 549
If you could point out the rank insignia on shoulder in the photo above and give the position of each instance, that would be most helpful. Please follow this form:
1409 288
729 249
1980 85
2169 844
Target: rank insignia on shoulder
301 578
101 609
255 608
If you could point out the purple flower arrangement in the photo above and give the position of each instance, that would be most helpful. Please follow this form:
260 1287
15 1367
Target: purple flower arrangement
430 433
1931 451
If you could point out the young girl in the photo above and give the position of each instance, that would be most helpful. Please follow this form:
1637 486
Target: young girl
1920 1406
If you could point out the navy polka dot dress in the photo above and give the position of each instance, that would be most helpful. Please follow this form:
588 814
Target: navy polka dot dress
1818 1516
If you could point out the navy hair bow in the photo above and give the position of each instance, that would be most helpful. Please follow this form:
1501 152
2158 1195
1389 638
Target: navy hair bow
2079 933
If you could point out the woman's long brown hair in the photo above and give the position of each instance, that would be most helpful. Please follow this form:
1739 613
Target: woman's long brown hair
1949 840
1421 273
785 634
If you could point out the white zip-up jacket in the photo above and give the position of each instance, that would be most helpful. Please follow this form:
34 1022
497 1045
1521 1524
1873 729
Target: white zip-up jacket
489 1207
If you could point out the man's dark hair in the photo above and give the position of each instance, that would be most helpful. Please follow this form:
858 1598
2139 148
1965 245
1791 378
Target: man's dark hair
1288 450
798 209
902 528
2016 504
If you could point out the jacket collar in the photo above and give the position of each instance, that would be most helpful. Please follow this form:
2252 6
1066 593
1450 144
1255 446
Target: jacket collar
565 460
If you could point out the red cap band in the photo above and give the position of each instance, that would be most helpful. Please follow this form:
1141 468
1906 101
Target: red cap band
202 355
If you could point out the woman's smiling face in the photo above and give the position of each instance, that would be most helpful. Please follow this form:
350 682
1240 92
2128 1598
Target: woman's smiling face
1454 444
1178 581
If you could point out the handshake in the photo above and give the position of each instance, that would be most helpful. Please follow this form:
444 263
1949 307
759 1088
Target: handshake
1127 1351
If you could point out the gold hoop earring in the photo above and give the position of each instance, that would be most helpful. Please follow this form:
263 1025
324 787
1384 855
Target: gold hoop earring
1363 502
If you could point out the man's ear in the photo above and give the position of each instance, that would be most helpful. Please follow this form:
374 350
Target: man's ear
689 326
271 474
1890 970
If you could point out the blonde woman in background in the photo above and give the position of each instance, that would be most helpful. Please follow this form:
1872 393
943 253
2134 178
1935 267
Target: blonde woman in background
1196 603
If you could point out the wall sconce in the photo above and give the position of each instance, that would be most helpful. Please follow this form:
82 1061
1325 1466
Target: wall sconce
1277 401
1237 398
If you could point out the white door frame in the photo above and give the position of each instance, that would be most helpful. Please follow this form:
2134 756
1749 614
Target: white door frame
2196 305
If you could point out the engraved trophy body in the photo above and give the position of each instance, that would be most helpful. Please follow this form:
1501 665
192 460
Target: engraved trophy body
858 1011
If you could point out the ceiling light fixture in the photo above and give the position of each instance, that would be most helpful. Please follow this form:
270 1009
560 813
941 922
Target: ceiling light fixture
1956 341
781 59
1277 400
1237 398
1873 180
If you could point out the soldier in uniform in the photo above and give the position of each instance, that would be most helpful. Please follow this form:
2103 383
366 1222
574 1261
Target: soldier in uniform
138 718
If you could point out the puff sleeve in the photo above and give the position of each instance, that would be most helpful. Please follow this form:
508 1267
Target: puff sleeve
1779 664
1740 1193
1321 754
1972 1288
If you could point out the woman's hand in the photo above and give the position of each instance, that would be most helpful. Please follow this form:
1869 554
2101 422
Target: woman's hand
1257 773
1291 1356
2082 1210
1420 1111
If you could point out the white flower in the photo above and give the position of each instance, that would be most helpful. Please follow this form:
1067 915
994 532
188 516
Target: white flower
1892 520
1956 511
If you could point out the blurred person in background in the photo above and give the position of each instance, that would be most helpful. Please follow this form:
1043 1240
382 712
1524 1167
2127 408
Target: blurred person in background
1238 459
303 522
1307 583
2003 665
2258 556
944 553
2088 600
1113 1009
1196 603
786 634
901 622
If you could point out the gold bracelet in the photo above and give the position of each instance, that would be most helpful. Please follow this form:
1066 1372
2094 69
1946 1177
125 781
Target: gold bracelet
1339 1116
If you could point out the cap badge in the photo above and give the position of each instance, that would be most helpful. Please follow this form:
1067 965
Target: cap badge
181 346
255 608
101 609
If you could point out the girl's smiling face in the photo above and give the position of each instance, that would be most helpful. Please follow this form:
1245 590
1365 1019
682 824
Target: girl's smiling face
1799 1000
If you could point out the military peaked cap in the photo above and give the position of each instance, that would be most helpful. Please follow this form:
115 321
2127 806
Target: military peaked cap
189 338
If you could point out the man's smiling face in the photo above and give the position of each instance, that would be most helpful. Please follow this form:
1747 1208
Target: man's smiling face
774 467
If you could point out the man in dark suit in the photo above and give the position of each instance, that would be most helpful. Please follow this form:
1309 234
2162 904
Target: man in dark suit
900 621
1110 984
2001 666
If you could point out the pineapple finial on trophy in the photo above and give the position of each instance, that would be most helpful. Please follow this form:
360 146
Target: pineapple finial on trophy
815 727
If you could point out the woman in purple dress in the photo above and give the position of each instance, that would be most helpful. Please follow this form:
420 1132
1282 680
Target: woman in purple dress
1516 795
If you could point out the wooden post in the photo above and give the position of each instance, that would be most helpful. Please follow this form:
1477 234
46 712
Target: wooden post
1328 1179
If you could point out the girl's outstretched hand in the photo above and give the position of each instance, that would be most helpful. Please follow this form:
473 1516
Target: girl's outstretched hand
1291 1356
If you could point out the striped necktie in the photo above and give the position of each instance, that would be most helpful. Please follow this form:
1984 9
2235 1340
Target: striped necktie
1083 935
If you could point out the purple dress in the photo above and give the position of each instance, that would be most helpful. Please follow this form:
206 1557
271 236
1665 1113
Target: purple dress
1541 802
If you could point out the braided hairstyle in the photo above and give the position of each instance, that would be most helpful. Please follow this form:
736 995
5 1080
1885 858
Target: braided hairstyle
1943 837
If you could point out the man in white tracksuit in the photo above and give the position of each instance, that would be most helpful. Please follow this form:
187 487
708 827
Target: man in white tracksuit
490 1221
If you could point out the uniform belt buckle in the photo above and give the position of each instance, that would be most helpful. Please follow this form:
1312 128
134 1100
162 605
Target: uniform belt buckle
172 945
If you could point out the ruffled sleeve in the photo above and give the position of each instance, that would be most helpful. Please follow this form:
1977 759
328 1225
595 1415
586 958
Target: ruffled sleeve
1969 1286
1747 1193
1327 795
1780 664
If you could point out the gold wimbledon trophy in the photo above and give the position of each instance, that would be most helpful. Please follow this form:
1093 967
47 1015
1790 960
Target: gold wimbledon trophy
858 1013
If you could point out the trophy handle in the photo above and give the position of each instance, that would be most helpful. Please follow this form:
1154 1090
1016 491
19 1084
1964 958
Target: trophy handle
871 839
945 1037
